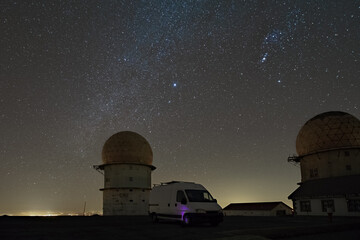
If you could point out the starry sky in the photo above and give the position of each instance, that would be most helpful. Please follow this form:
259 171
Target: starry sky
220 90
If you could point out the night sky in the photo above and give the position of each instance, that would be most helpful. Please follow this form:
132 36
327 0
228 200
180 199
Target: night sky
220 90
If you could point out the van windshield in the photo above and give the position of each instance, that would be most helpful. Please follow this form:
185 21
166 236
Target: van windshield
199 196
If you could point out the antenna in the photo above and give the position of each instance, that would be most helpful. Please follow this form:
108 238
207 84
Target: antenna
99 168
294 160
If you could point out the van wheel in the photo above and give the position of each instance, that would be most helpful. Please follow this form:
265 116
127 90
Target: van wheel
154 218
186 220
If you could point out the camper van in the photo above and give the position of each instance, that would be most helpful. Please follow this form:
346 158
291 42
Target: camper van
186 202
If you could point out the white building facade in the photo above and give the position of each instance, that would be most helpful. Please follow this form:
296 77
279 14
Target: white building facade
257 209
127 159
341 206
328 148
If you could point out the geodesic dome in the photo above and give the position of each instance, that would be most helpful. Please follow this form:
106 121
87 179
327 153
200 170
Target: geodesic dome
326 131
127 147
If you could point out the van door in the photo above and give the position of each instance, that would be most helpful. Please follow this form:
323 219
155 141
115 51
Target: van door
180 204
166 199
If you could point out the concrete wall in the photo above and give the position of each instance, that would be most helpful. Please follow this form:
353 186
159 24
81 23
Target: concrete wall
282 207
125 202
340 204
272 212
127 175
126 189
246 213
331 164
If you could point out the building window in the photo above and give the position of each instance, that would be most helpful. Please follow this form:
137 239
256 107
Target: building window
305 206
347 153
131 179
314 173
348 167
353 205
327 204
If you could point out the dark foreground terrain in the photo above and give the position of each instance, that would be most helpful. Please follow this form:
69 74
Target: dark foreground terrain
232 228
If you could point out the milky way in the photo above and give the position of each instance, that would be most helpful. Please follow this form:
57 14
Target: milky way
219 89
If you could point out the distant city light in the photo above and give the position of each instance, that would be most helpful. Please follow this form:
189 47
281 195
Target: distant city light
53 214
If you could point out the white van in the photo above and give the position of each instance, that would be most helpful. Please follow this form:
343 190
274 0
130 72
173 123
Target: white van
184 201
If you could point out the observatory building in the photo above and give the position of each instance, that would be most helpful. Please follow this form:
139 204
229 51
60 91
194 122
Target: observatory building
328 148
127 165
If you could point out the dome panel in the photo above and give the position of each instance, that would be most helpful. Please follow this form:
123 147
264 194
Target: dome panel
329 130
127 147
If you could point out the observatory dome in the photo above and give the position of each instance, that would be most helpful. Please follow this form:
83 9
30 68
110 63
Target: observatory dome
329 130
127 147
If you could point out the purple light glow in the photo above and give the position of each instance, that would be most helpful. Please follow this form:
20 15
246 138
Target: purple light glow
183 210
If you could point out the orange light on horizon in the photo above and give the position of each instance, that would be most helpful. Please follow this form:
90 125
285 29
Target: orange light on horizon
50 214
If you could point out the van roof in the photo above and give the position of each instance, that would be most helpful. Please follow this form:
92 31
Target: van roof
179 185
172 182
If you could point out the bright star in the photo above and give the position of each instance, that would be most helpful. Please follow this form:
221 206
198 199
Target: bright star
264 57
174 84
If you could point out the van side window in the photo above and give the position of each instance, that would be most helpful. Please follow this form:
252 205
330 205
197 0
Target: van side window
180 195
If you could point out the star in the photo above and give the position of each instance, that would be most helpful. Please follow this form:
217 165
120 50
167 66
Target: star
263 59
221 78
